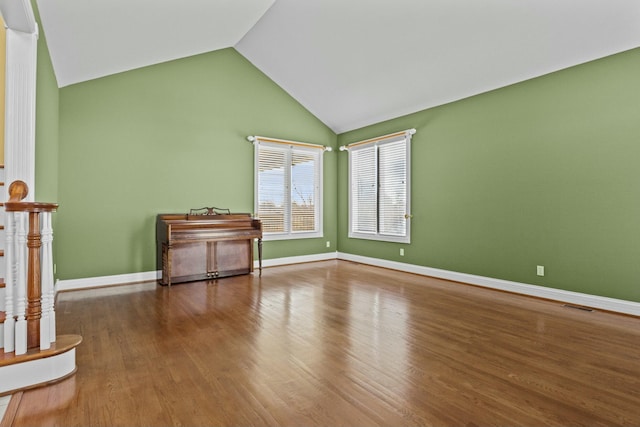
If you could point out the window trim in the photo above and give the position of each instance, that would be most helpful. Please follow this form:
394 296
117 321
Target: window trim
289 147
377 142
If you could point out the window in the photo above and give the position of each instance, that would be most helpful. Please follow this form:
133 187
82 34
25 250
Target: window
288 189
379 190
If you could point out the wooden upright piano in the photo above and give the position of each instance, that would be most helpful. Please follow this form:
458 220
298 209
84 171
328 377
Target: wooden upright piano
203 247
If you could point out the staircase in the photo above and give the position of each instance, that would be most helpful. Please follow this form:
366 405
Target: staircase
31 353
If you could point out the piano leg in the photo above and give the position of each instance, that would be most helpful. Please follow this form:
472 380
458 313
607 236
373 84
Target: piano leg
260 256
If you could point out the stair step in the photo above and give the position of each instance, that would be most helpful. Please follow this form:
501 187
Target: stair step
2 284
1 252
53 364
3 316
62 344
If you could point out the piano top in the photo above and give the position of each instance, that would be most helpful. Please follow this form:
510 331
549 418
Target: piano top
174 227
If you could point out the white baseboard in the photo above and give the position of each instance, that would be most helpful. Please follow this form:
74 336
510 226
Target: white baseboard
97 282
296 259
593 301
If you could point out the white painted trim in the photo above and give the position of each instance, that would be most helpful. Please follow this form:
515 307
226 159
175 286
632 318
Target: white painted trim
20 108
97 282
296 259
593 301
38 371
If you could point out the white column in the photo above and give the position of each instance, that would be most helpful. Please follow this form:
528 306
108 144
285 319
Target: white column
20 106
19 143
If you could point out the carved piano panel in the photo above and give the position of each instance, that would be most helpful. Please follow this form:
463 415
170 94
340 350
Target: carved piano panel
188 261
233 255
201 247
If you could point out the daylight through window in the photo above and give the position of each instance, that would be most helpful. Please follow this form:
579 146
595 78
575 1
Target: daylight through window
379 190
288 189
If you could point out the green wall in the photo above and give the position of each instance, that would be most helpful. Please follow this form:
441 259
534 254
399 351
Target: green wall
47 119
47 129
544 172
167 138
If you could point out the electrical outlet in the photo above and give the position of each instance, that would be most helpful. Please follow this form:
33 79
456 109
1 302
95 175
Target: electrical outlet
328 244
540 270
401 251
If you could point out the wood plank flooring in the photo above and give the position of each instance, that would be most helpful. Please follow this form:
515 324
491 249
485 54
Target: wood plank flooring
336 343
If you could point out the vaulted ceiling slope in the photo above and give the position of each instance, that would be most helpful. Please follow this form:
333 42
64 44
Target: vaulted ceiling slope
96 38
350 62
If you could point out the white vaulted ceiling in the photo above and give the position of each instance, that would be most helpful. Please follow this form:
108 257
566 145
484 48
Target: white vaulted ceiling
94 38
350 62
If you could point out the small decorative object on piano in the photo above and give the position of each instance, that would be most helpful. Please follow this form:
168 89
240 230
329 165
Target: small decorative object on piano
209 211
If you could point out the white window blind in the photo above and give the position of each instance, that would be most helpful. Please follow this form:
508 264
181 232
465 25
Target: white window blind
392 188
364 190
379 188
273 175
304 189
288 189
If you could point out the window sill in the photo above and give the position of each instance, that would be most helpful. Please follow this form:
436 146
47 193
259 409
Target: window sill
381 238
292 236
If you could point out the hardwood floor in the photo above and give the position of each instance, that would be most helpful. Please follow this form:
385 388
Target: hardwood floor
337 343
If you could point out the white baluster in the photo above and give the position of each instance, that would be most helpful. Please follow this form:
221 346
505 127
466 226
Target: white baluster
10 323
52 291
21 284
46 284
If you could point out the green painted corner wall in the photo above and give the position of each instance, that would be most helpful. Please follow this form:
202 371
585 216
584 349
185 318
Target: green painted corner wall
47 129
544 172
167 138
47 120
